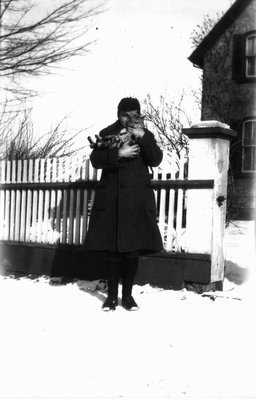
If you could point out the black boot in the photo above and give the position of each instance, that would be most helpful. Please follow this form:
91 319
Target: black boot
129 270
113 280
129 304
109 304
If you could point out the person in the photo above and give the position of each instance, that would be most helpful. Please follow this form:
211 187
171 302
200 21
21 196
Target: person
123 221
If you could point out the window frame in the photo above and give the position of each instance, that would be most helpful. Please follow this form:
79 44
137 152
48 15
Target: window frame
246 171
239 58
247 57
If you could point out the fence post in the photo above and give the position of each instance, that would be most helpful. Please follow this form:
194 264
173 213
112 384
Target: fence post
206 208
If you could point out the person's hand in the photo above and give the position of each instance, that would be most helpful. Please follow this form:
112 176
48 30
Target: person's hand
129 151
136 132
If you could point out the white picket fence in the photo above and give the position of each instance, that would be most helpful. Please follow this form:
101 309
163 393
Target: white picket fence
48 201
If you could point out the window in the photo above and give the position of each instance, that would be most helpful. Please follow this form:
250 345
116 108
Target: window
250 55
244 57
249 146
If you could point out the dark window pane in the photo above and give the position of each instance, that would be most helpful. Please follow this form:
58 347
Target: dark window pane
247 133
253 133
253 158
251 46
247 159
249 143
251 66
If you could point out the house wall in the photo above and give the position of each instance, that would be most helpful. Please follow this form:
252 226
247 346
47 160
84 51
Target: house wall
231 102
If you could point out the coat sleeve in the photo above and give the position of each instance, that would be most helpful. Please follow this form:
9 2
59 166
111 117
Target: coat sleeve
105 158
150 151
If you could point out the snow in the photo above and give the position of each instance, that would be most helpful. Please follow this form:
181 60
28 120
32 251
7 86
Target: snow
57 343
210 124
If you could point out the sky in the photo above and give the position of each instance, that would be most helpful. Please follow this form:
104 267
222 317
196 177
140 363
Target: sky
141 48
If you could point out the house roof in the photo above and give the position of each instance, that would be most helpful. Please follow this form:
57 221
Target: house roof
227 19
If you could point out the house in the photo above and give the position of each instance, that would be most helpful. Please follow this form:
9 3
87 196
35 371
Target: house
227 57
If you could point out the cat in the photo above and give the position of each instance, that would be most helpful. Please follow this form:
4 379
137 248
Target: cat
113 141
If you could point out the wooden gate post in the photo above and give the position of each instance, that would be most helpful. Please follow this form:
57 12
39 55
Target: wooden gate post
206 208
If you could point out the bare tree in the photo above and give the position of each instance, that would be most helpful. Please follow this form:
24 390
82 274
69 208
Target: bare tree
202 30
167 120
36 36
18 139
34 39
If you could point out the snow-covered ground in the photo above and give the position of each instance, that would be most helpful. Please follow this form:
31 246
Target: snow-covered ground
56 343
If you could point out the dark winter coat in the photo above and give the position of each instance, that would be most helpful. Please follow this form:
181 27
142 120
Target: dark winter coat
123 217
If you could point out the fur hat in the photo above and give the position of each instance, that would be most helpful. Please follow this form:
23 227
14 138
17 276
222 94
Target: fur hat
128 104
